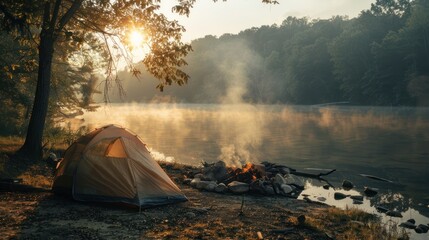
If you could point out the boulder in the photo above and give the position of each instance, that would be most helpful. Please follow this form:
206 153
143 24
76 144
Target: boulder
221 188
194 182
294 180
238 187
279 180
206 185
286 188
269 189
215 172
260 168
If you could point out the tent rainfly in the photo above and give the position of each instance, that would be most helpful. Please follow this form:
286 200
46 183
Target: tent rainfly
110 164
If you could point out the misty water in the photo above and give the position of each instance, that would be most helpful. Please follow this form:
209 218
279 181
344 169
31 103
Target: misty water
391 143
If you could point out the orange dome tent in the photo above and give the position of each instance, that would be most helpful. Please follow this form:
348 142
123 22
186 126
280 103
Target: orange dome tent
110 164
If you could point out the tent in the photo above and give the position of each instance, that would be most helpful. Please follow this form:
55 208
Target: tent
110 164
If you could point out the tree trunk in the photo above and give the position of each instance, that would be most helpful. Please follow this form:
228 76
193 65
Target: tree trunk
32 148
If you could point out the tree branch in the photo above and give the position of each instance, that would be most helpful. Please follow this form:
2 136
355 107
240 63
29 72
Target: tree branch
69 14
55 14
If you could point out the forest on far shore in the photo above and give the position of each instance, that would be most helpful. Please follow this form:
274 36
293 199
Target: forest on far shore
379 58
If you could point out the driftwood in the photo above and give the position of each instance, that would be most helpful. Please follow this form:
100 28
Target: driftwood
376 178
311 175
314 176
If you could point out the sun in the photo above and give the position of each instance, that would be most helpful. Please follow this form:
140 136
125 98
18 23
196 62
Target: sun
135 38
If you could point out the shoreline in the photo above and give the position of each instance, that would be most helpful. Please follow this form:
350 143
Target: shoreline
207 215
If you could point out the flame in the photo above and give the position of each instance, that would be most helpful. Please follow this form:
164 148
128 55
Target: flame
247 167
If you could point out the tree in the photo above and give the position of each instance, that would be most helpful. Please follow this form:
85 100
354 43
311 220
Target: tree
44 22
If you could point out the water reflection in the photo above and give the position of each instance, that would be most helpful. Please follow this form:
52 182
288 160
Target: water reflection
390 143
386 198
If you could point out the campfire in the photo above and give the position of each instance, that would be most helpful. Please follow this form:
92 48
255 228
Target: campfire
264 178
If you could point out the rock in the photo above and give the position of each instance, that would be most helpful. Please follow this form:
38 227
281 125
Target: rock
260 168
339 196
221 188
286 188
238 187
422 228
257 186
284 170
347 185
194 182
358 202
357 197
370 192
269 189
326 186
279 179
211 186
206 185
411 220
393 213
215 172
407 224
293 180
322 199
201 184
381 209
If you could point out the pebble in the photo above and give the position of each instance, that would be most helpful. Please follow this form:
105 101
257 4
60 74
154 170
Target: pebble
322 199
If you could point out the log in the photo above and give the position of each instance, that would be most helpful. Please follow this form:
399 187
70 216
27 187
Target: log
311 175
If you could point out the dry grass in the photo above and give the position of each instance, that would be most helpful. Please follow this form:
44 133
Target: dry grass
354 224
37 174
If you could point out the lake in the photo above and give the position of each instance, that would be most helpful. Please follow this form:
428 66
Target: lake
388 142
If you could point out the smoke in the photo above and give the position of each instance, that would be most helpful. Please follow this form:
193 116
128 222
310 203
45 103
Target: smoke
240 125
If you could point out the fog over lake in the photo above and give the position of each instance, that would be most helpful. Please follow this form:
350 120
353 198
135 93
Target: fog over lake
391 143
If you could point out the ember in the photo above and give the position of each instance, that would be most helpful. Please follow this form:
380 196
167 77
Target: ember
249 173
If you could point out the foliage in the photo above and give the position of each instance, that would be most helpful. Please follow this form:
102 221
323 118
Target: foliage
380 57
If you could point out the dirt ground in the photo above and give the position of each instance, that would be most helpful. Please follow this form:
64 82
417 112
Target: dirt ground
44 215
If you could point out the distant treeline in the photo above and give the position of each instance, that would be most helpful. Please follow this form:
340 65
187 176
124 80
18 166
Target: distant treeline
380 57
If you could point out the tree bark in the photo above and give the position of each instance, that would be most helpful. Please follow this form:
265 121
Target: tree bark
32 148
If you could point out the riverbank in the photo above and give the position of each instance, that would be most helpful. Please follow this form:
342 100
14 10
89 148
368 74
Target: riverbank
43 215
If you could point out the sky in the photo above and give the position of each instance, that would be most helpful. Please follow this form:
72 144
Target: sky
233 16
